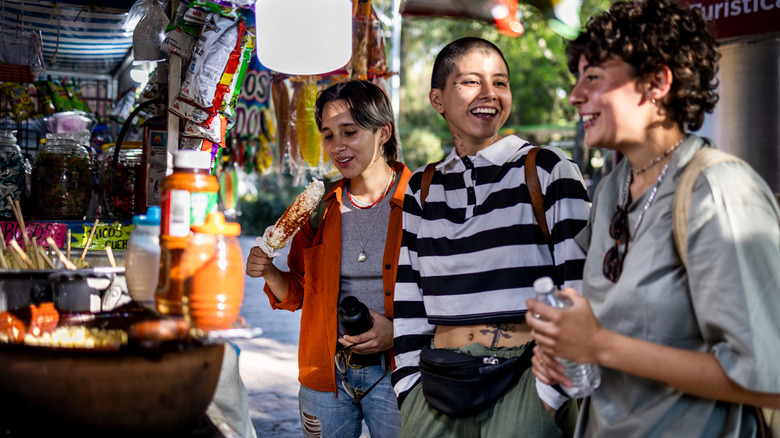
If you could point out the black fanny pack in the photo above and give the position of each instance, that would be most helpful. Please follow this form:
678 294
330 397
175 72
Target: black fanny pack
460 385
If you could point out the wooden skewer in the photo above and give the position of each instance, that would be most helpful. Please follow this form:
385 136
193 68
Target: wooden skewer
18 215
110 255
37 256
67 245
17 261
21 253
65 261
2 242
3 263
45 257
21 222
89 240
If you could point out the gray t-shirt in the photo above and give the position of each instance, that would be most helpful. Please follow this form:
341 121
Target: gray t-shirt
726 302
363 280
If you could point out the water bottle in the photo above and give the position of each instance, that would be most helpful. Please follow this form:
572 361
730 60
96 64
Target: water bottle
585 377
354 317
142 260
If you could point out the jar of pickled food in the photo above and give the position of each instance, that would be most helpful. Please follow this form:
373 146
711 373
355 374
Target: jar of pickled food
12 173
62 179
121 187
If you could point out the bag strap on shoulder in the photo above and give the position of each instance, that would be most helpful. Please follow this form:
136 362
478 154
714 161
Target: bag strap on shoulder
703 159
768 419
535 189
427 177
315 220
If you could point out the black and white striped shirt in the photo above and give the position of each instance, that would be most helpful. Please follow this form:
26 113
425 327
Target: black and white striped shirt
472 256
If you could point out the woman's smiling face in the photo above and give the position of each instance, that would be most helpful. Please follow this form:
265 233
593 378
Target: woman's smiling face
611 104
350 148
476 99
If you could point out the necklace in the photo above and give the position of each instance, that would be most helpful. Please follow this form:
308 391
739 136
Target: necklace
362 256
650 199
364 205
658 159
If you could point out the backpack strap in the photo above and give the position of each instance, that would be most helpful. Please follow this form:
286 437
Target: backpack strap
315 220
535 190
427 177
703 159
768 418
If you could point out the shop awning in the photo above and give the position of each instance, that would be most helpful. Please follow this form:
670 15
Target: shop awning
78 36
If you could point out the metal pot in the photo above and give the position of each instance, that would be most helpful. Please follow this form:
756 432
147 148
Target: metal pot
108 393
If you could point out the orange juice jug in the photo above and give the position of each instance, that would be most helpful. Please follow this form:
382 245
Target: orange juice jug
187 196
213 267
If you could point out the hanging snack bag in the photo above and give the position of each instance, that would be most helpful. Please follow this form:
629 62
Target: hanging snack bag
213 130
59 96
21 104
217 41
281 100
231 67
45 104
230 99
77 100
188 111
376 58
177 41
309 137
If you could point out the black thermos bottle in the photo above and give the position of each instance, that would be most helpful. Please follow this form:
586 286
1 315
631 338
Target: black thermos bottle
354 317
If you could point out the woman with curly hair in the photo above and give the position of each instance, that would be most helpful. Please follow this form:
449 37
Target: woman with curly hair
682 348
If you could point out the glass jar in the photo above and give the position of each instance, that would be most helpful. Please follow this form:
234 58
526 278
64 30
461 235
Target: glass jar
126 201
62 180
12 173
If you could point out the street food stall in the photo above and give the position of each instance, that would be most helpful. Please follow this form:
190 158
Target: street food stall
124 130
85 155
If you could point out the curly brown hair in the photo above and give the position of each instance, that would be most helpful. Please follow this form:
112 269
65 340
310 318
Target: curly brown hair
652 33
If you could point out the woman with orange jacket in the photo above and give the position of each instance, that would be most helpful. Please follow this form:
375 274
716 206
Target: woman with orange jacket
352 252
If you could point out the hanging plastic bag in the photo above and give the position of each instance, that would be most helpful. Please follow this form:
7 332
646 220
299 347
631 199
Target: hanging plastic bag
149 33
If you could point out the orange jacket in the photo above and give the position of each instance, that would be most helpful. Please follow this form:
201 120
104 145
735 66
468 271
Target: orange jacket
315 288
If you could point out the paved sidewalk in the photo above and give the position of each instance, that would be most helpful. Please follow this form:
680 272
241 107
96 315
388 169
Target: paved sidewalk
269 364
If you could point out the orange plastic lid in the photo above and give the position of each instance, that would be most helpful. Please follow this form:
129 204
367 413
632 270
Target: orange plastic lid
215 224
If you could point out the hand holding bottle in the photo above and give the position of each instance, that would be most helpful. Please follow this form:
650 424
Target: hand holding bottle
560 334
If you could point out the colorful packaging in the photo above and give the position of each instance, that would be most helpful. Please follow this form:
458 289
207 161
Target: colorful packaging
217 41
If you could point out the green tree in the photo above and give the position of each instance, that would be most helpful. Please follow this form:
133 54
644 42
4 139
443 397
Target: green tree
540 79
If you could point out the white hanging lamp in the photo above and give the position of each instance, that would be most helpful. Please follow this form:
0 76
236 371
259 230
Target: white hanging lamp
304 37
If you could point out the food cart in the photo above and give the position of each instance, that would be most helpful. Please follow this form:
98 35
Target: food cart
76 350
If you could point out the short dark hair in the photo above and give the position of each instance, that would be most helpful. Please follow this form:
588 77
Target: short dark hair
368 105
649 34
452 52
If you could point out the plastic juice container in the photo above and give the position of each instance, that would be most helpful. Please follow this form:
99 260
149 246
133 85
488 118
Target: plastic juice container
214 269
142 260
187 196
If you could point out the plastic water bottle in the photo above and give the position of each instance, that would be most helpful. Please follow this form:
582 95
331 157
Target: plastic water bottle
142 260
585 377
